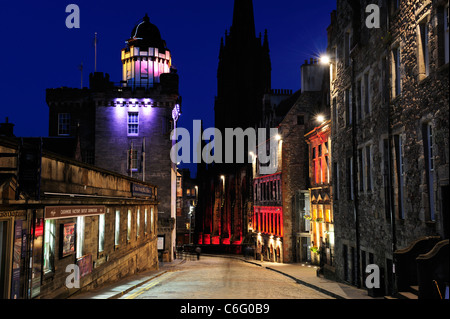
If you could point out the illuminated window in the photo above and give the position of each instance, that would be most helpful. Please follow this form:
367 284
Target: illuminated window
129 225
133 123
395 72
63 124
49 245
423 49
145 221
117 228
101 232
80 236
138 222
152 224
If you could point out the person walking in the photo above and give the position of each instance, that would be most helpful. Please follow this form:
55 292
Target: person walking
198 250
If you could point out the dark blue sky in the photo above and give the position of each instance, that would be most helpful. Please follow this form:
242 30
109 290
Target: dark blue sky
39 52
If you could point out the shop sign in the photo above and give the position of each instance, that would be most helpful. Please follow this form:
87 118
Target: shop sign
161 242
141 190
58 212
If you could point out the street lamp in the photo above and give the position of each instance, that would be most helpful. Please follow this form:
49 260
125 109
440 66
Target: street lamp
320 118
325 59
191 208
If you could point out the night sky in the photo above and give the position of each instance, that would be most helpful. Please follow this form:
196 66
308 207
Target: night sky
40 52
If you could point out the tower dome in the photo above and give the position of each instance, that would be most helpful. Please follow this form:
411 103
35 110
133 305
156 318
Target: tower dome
146 34
146 57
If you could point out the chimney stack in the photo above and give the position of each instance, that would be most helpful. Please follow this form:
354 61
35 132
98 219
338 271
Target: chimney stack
7 129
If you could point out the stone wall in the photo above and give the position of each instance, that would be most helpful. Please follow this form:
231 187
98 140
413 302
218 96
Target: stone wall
295 165
65 182
363 217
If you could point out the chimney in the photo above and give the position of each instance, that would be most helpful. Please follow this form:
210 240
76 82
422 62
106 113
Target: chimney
312 75
7 129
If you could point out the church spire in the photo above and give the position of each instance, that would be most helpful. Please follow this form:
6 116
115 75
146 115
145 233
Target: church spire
243 20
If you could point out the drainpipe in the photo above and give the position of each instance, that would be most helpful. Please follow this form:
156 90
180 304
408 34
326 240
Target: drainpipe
391 201
387 100
355 180
356 7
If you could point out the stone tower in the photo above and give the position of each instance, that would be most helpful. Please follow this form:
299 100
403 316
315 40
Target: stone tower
125 127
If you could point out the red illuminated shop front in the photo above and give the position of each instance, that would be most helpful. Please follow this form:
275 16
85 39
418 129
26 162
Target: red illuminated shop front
268 220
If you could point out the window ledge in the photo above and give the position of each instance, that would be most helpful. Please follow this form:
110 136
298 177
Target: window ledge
423 79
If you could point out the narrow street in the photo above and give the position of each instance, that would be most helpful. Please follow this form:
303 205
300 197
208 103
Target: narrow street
222 278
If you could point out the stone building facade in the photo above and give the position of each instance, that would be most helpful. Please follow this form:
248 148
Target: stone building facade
69 216
300 120
187 197
125 127
389 105
281 199
320 196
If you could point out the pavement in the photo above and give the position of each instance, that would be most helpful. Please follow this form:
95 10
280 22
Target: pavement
303 274
306 274
121 287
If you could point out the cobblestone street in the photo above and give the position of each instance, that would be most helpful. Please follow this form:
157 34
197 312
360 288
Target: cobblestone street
214 277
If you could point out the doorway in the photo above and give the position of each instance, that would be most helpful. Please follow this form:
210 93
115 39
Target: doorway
305 252
3 258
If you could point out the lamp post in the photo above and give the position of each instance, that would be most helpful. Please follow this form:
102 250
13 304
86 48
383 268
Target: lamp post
190 224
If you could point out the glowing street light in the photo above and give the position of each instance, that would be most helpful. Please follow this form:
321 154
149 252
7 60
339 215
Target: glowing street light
320 118
325 59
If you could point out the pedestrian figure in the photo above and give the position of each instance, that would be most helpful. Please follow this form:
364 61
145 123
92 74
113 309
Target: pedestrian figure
198 250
